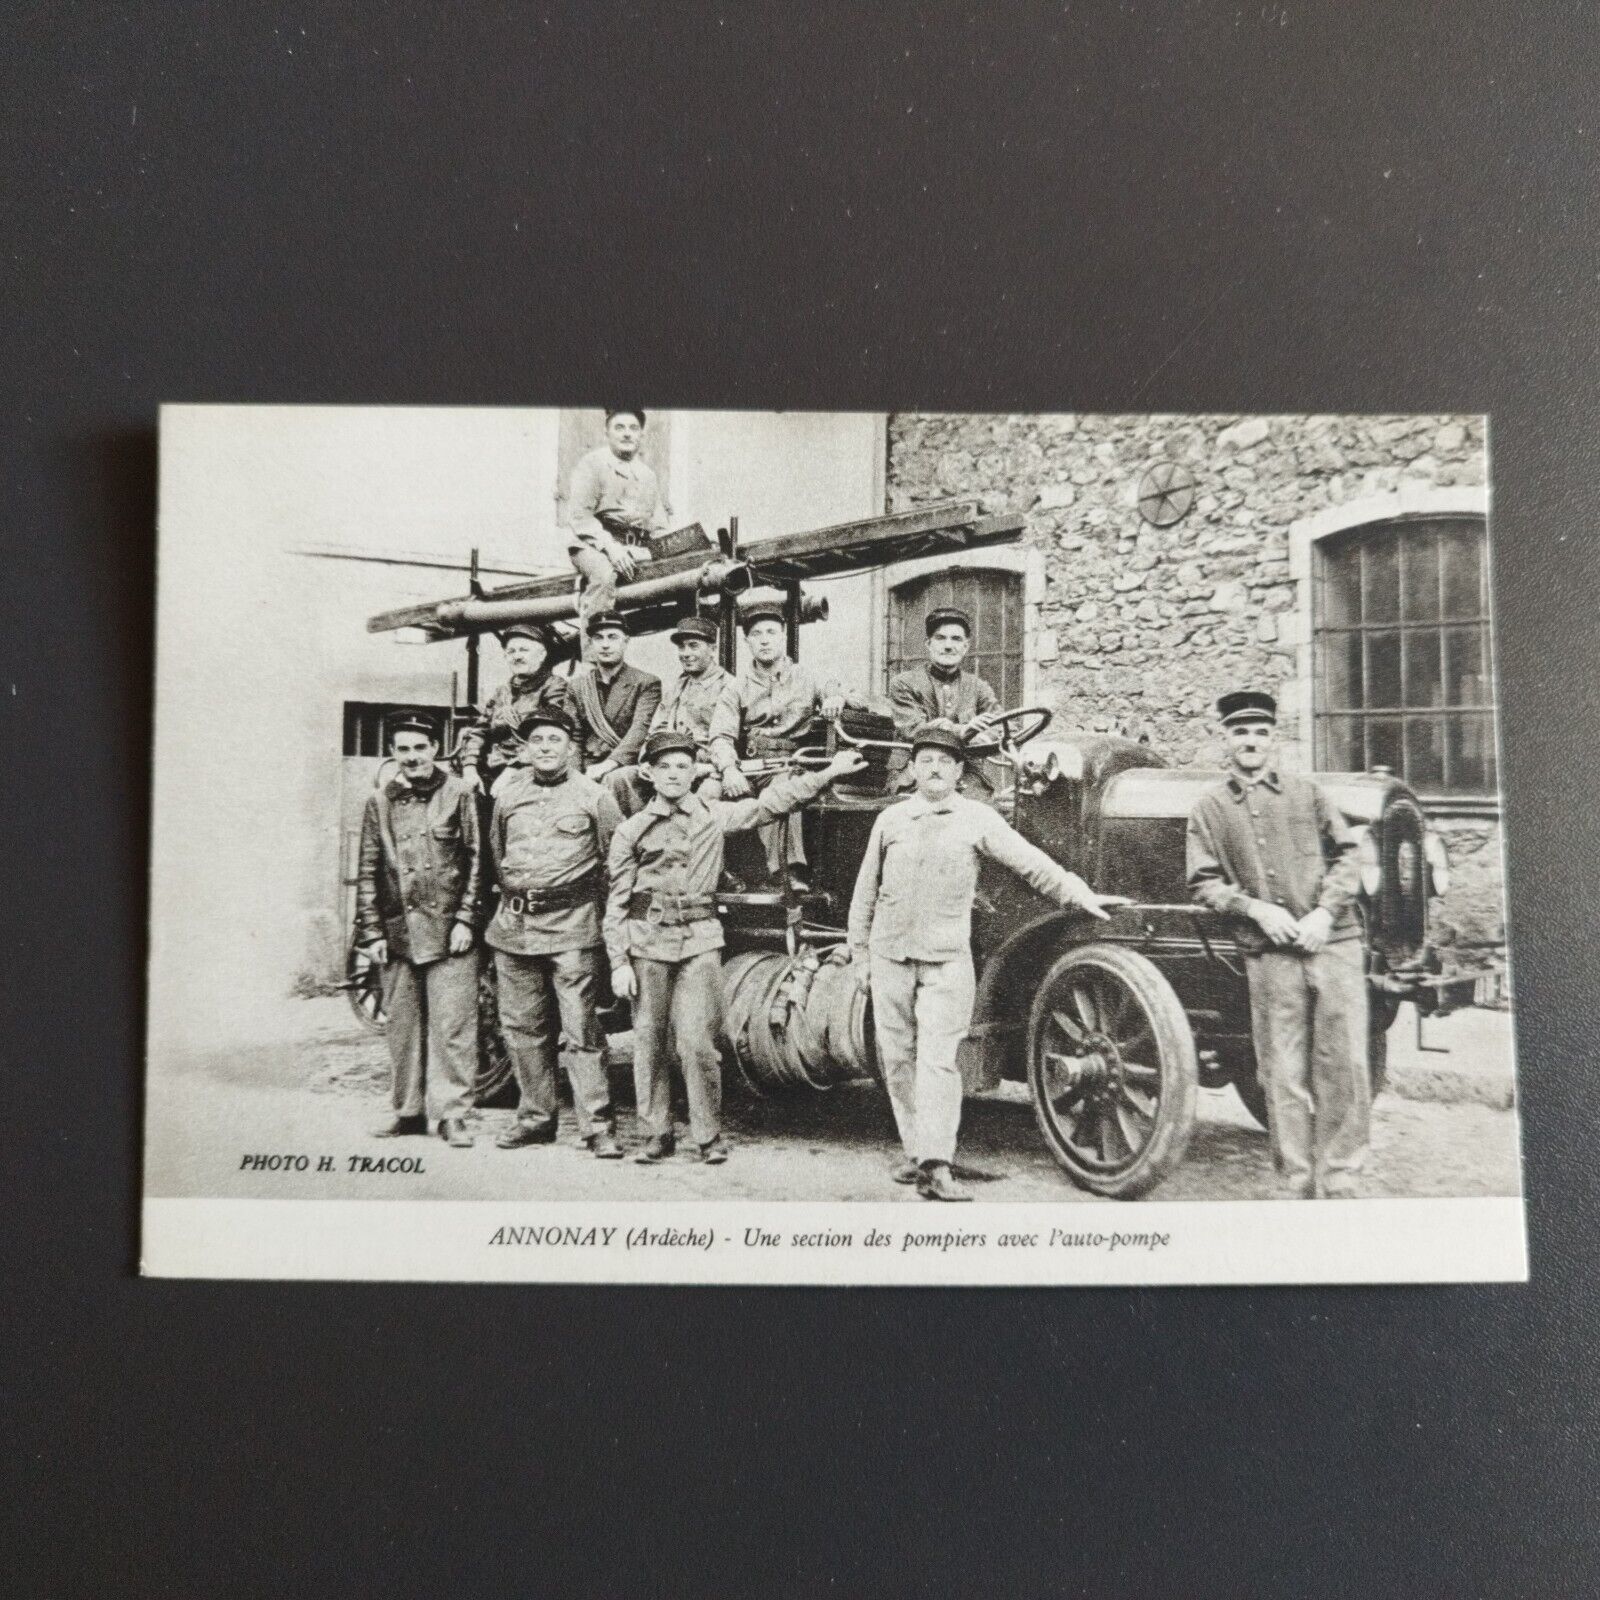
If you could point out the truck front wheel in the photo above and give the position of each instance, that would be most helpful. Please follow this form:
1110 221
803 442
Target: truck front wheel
1112 1070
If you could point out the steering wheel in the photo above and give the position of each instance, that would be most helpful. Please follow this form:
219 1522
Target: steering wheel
1030 722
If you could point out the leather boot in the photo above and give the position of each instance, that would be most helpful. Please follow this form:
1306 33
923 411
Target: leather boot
604 1146
401 1127
454 1133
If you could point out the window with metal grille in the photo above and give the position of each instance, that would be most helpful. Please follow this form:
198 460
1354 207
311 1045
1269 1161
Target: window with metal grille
366 725
1403 672
992 599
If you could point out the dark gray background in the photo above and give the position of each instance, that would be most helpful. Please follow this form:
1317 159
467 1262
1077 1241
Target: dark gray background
1339 207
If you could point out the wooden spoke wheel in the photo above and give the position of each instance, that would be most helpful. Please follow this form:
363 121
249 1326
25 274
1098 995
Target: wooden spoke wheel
1380 1019
363 988
496 1080
1112 1070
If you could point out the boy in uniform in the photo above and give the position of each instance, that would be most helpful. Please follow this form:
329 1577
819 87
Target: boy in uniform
663 936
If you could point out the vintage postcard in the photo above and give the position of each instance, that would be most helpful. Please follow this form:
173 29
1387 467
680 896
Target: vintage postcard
772 847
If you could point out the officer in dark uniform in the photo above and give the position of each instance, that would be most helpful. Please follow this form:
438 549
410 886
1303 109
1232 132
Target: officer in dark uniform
417 905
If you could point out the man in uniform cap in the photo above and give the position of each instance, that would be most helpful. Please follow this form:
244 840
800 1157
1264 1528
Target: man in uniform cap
495 740
663 936
418 886
941 689
776 701
703 693
549 836
1271 852
611 702
614 504
911 940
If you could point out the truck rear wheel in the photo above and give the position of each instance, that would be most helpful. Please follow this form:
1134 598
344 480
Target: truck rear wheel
1112 1070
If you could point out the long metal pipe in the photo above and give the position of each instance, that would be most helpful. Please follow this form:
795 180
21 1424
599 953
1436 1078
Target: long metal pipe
715 578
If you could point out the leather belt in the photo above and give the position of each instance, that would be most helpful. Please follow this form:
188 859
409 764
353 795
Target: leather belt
670 910
560 898
621 531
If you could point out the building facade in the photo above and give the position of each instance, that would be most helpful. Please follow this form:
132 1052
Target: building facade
1341 562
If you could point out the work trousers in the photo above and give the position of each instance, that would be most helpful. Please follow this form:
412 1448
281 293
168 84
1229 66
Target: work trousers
1309 1018
599 588
546 1002
676 1012
921 1011
432 1034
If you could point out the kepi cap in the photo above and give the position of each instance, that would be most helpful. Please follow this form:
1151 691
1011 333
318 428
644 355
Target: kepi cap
940 615
940 734
605 619
528 630
413 722
549 716
666 740
695 627
761 611
627 411
1247 705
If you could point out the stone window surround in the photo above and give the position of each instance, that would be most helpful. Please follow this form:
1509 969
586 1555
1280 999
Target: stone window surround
1030 563
1411 502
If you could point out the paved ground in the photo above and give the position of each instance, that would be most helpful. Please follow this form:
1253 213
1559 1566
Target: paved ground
317 1097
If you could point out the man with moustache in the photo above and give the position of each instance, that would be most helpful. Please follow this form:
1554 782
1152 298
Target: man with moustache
418 885
549 836
941 689
911 943
495 740
1271 852
614 504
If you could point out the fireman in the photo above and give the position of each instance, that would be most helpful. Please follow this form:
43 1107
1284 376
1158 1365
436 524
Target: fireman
663 936
1271 852
911 940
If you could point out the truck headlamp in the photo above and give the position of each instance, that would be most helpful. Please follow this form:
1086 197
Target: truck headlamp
1438 859
1367 861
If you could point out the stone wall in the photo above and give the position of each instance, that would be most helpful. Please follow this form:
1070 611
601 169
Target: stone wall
1139 628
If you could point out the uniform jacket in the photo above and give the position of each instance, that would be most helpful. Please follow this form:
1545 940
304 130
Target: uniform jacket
494 740
919 695
421 866
675 851
606 491
778 704
691 705
629 700
914 893
1281 840
546 836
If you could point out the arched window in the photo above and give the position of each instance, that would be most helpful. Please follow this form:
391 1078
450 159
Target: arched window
1402 668
993 599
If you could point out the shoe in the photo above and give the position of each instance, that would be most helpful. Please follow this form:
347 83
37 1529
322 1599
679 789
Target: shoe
796 883
604 1146
656 1149
454 1133
714 1153
935 1183
526 1133
904 1172
1341 1189
401 1127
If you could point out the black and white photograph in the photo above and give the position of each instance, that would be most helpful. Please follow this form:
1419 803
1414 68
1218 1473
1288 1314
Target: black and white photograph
701 828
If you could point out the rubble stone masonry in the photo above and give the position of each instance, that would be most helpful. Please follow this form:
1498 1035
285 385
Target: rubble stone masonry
1138 628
